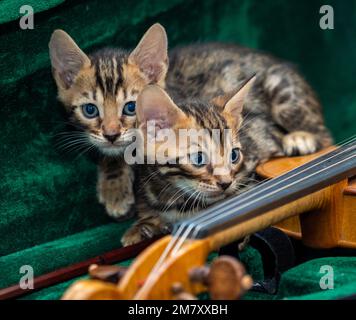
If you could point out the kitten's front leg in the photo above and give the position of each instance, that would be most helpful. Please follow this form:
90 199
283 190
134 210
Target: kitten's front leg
145 228
115 188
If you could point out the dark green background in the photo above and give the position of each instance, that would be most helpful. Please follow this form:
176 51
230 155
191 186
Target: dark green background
49 216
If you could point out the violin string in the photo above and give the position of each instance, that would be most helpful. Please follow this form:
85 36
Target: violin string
193 225
166 251
177 244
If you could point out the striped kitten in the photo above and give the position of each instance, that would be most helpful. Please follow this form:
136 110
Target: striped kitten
169 192
281 116
99 92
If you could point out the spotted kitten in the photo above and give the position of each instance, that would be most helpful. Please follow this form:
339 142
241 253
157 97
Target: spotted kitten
281 116
99 92
169 192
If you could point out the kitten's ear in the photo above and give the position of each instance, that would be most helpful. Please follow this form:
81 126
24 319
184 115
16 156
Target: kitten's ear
154 104
66 58
151 54
232 104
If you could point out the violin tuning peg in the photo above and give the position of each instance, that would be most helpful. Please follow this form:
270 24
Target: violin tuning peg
246 282
92 267
108 273
228 279
180 294
200 274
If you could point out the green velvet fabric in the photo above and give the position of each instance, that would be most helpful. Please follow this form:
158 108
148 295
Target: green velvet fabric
62 252
10 9
49 216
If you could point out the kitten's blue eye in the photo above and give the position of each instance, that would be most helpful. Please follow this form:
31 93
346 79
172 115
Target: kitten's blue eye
198 159
90 110
129 108
235 155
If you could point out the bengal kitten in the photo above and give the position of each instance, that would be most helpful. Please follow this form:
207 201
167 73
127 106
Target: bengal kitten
170 191
281 116
99 92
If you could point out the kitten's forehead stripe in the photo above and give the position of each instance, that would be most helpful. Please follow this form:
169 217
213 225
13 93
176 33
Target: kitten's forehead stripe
205 115
108 70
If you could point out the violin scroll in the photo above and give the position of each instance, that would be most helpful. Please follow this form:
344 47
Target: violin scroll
224 279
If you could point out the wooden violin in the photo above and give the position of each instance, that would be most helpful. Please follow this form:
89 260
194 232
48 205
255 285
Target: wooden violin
312 198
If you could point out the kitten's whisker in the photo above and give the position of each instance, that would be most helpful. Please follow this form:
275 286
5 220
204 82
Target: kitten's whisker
186 202
164 189
69 140
71 137
70 133
74 146
197 198
149 178
181 192
83 152
170 202
72 124
71 144
182 195
75 150
196 206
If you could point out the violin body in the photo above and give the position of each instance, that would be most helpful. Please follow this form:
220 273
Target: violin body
321 219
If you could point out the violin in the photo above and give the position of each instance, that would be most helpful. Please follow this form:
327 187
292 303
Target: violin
312 198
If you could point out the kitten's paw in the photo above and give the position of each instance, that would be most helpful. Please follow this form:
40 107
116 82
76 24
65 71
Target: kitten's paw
118 204
299 143
120 210
138 233
131 236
